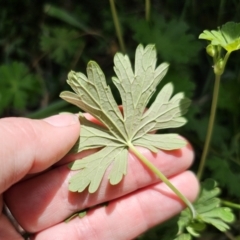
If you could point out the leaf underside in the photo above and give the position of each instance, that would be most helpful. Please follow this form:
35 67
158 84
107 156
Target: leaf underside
94 96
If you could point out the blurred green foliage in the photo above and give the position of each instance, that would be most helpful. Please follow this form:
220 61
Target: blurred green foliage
60 43
19 88
41 41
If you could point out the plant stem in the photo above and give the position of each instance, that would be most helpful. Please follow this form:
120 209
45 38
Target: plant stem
226 59
229 235
147 9
230 204
117 25
221 10
147 163
218 72
185 9
210 126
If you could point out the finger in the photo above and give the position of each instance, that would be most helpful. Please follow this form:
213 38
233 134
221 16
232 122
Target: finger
49 192
129 216
30 146
7 231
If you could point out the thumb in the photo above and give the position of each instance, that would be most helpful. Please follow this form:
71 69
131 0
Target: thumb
30 146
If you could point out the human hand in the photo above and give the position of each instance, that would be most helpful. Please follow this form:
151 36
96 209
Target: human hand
34 184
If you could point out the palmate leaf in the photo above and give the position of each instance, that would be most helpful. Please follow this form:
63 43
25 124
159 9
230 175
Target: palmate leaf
164 34
209 211
122 130
19 89
228 36
60 43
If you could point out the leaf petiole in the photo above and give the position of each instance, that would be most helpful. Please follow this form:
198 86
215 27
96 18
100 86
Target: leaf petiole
147 163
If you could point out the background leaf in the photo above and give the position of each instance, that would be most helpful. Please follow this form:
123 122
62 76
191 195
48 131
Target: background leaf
61 43
16 82
171 38
226 173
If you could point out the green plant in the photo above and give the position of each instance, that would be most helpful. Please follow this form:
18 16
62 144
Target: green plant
210 212
122 133
37 38
127 130
207 206
15 85
227 37
61 43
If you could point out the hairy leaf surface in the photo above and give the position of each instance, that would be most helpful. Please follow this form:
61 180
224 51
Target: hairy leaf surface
136 87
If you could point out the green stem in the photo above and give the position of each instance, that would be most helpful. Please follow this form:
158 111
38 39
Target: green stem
147 163
117 25
226 59
210 126
221 10
147 11
212 115
229 235
230 204
185 9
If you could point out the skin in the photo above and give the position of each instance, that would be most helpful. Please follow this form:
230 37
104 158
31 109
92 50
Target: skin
34 185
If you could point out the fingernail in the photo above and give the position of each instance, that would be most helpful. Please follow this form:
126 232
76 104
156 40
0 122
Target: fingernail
62 120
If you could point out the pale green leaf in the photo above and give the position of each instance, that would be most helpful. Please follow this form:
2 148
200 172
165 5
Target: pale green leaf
137 88
92 133
95 97
122 129
93 168
163 141
227 36
119 167
164 112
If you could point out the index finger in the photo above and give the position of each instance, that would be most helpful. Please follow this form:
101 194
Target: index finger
30 146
